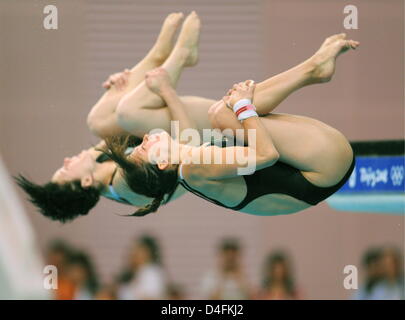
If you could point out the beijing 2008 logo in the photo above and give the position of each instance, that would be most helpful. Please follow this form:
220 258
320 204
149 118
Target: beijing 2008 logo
397 175
352 179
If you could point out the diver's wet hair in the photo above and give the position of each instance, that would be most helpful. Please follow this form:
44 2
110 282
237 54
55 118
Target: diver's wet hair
143 177
61 202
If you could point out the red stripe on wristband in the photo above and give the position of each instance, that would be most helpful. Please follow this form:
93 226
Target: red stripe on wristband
245 108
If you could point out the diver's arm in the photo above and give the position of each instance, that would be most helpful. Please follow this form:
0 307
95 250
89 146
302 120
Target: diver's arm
177 109
242 95
158 81
258 154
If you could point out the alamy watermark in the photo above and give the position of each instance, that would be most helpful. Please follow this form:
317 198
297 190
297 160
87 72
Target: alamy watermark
51 19
51 277
351 21
350 282
236 149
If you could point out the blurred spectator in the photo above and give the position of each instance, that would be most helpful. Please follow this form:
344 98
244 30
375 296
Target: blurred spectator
227 281
144 277
278 282
82 274
58 254
106 292
175 292
371 263
391 286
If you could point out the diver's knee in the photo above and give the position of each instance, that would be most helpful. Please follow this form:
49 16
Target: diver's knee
217 109
124 113
213 113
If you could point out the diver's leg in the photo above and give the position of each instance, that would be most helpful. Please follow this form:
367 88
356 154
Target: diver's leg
317 69
271 92
140 110
102 119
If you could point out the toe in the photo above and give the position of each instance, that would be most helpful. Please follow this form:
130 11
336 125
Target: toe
342 35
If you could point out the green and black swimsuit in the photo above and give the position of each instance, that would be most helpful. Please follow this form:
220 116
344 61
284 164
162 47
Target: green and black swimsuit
279 178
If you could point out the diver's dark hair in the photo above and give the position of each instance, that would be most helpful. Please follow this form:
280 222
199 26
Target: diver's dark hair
61 202
143 177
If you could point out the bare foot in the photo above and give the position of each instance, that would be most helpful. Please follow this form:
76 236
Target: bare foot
324 59
165 41
189 37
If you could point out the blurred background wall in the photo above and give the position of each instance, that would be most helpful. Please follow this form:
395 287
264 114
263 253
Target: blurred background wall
51 78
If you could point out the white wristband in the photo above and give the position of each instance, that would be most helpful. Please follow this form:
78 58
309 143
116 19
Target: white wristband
241 103
244 109
247 114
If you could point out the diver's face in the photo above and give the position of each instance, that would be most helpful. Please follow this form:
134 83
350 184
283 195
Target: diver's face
75 168
155 148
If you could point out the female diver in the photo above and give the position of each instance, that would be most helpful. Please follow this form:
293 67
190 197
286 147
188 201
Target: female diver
76 187
299 161
130 107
